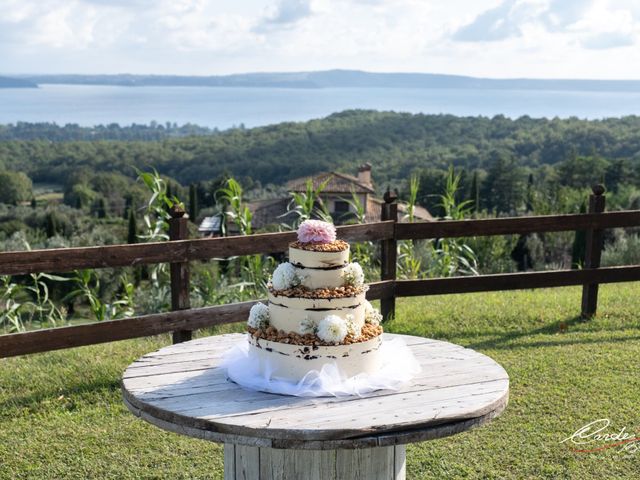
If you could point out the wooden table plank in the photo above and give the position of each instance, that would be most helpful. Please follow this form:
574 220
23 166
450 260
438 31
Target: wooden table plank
183 385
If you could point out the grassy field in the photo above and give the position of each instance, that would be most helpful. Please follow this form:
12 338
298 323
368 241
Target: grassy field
61 415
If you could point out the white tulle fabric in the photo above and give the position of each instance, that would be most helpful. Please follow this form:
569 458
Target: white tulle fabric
399 367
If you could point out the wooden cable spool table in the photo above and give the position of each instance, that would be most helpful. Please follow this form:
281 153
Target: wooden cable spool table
181 388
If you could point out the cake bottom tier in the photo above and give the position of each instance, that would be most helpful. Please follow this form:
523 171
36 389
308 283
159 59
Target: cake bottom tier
292 362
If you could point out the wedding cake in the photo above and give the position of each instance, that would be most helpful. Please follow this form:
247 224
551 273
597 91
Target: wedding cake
317 314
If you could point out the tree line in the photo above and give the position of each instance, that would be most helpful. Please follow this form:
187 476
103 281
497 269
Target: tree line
396 144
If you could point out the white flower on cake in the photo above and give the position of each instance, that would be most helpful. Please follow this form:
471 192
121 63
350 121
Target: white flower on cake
259 316
332 329
307 326
371 315
285 276
352 326
353 275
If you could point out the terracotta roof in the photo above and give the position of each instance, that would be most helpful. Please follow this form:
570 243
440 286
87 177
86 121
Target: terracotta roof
274 212
338 183
420 213
374 211
268 212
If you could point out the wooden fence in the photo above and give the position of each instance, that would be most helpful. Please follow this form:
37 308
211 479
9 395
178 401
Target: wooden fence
179 251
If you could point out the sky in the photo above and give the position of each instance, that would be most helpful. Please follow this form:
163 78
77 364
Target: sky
485 38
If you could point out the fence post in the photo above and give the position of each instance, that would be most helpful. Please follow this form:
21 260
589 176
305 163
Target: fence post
178 230
389 254
593 252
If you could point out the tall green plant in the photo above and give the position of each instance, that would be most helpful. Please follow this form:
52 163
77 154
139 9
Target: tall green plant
156 226
361 252
29 304
233 208
308 204
156 217
88 288
451 256
11 309
254 270
409 263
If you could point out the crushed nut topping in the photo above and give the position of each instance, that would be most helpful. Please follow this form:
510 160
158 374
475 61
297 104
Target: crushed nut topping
369 332
335 246
303 292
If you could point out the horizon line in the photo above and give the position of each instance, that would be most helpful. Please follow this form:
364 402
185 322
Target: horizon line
302 72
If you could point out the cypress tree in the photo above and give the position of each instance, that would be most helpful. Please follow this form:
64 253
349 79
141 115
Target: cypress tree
51 225
193 202
529 201
102 208
132 234
127 207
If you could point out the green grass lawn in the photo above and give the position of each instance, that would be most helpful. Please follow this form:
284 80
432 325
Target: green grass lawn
61 415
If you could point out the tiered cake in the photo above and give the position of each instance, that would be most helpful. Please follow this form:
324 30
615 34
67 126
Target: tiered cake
317 313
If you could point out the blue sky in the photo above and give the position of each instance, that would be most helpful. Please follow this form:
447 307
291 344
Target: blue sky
490 38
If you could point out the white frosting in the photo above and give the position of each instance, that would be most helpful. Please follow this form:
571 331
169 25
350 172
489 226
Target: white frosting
298 314
293 362
313 259
287 313
315 278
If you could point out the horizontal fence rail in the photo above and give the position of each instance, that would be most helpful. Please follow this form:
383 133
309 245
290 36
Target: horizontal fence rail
179 251
516 281
517 225
142 326
68 259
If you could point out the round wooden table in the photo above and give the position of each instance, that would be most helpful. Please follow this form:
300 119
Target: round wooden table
181 388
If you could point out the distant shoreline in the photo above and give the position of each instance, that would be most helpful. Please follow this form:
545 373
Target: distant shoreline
323 79
11 82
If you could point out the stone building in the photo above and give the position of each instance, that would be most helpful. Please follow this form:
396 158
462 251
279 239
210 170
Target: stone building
337 196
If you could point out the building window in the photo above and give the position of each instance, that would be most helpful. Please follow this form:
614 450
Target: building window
340 206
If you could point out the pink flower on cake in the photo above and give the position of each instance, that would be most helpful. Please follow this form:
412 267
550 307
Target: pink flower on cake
316 231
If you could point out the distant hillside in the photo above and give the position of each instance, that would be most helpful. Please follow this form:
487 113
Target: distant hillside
339 78
7 82
395 144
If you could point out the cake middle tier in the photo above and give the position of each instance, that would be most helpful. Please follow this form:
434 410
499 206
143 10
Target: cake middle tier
320 277
287 313
319 269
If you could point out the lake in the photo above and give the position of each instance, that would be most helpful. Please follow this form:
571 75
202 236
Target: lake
227 107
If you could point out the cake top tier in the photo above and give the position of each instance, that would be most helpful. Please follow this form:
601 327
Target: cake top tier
318 236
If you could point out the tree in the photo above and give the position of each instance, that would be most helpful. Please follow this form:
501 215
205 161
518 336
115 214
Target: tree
504 189
100 208
432 182
132 234
582 172
79 196
16 187
193 202
51 226
529 199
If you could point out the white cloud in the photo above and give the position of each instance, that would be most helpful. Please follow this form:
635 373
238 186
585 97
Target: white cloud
287 12
498 23
499 38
